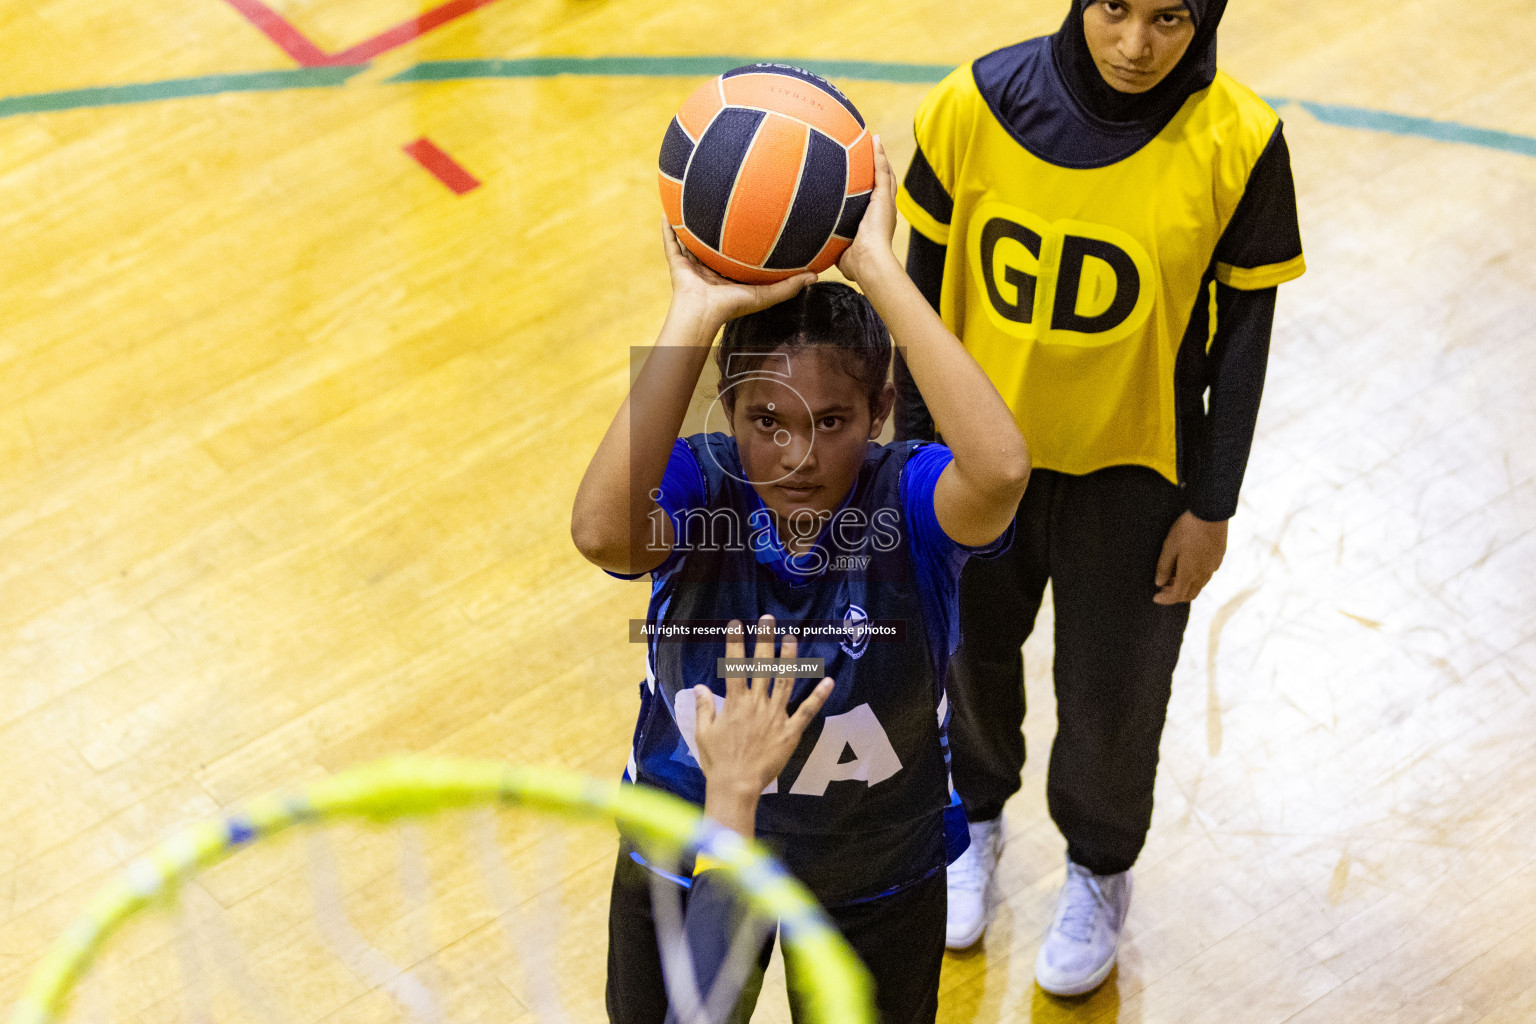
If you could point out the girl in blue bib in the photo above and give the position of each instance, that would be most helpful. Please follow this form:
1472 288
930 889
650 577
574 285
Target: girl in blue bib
853 547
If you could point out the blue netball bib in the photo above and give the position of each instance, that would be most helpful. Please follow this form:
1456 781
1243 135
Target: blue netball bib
861 807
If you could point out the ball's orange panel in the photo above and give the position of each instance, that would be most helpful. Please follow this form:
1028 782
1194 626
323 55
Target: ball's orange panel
728 267
796 98
830 254
765 190
700 109
671 199
861 165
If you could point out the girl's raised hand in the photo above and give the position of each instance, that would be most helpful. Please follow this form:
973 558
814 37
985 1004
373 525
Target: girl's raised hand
699 292
745 745
871 248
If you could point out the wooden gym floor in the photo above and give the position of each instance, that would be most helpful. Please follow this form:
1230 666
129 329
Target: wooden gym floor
289 431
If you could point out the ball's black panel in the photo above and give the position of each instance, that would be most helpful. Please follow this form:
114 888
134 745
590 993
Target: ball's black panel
818 204
853 212
712 172
805 76
676 148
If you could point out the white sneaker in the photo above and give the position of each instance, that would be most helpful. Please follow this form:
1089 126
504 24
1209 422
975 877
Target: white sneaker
970 885
1079 951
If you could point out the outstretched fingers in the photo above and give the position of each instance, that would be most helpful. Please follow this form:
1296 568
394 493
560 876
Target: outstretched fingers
735 650
783 686
811 706
763 651
703 709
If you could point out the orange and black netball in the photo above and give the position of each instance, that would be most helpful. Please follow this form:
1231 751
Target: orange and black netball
766 172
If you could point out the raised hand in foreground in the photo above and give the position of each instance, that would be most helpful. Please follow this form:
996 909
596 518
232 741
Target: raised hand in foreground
744 745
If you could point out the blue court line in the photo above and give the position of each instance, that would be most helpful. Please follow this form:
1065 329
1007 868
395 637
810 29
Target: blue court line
1360 118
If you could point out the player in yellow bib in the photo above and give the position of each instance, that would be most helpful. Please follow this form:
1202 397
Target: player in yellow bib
1102 217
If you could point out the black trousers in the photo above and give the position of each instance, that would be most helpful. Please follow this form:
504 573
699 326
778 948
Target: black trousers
1097 538
900 939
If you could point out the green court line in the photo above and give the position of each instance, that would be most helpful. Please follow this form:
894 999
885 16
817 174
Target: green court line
661 67
1359 118
877 71
1418 127
176 88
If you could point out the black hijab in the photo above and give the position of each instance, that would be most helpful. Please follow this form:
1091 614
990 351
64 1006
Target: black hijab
1155 107
1049 94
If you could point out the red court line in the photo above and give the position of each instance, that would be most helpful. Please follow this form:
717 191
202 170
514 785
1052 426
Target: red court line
406 31
298 46
444 167
278 29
